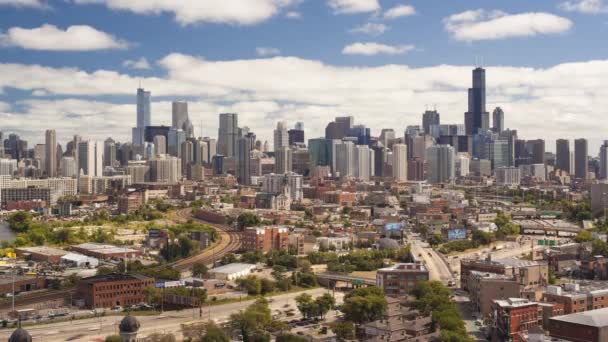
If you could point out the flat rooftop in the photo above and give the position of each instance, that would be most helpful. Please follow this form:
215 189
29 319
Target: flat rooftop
236 267
50 251
405 267
593 318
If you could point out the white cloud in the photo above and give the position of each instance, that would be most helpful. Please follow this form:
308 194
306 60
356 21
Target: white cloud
373 29
141 63
293 15
267 51
584 6
353 6
562 101
39 4
399 11
4 106
52 38
371 49
236 12
492 25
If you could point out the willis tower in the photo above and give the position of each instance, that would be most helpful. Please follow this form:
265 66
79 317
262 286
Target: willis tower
476 119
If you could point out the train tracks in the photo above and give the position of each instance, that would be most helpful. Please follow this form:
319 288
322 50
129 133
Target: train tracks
229 241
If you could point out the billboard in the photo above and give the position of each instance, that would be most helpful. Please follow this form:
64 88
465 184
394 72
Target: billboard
393 226
457 234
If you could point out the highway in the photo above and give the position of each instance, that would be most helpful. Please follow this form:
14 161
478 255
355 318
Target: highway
229 241
438 269
96 329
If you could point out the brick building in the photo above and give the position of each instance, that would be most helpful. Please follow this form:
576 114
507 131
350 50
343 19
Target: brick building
114 289
528 274
265 239
579 297
23 283
513 318
588 326
400 279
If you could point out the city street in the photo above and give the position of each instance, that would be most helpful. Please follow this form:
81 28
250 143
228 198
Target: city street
438 270
168 322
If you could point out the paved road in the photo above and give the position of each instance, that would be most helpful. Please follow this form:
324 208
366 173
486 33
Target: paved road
98 328
438 269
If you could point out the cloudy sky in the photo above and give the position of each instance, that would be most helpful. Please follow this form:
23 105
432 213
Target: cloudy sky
74 65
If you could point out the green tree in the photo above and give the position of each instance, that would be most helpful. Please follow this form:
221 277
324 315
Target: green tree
228 259
214 334
325 303
251 284
247 219
199 269
307 306
253 321
112 338
344 330
364 305
20 221
584 236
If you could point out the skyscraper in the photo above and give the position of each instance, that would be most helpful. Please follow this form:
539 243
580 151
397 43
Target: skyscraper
90 158
186 155
580 159
441 164
143 108
364 162
345 159
283 161
498 120
562 154
430 117
160 145
179 114
143 116
604 160
50 153
281 136
400 162
244 161
109 152
476 118
228 134
339 128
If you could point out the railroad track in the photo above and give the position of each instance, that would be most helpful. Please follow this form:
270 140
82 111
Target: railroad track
35 298
229 241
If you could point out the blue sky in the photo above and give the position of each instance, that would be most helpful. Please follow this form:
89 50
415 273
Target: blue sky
316 63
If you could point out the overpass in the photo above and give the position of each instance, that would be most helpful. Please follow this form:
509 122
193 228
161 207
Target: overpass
332 278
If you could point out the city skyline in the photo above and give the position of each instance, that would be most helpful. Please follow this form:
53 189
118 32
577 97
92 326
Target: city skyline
374 76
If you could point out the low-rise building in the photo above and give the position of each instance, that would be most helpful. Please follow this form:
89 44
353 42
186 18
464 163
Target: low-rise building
105 251
265 239
232 271
401 279
23 283
41 254
588 326
114 289
528 273
512 318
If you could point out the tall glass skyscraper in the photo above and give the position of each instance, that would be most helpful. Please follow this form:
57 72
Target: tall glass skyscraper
143 117
228 134
476 118
143 108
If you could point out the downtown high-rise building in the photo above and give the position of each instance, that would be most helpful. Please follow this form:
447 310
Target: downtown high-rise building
228 134
180 118
90 158
604 160
339 128
498 120
440 163
50 145
562 155
160 145
429 118
345 159
143 117
68 167
581 153
476 118
109 152
400 162
364 162
281 136
283 162
244 161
